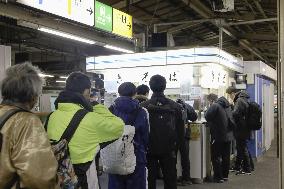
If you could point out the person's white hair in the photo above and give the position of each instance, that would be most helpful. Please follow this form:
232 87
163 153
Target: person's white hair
21 83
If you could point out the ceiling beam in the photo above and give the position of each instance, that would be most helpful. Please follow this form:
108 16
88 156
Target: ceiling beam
272 55
259 7
205 12
252 21
267 46
258 36
176 29
122 4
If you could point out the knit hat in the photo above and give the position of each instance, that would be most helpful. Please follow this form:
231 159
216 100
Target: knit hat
78 82
127 89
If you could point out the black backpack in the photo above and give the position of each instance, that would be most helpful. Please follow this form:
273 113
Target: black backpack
163 137
254 116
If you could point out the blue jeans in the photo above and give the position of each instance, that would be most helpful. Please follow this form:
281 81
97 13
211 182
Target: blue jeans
137 180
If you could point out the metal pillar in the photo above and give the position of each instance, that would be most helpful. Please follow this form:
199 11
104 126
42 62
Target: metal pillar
280 68
5 61
221 38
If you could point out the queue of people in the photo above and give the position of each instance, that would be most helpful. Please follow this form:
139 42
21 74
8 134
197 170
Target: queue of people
231 122
27 150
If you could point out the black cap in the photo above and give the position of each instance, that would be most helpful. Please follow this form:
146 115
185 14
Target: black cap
78 82
127 89
158 83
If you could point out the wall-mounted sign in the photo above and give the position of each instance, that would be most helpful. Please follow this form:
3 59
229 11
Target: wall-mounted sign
78 10
89 12
122 23
103 16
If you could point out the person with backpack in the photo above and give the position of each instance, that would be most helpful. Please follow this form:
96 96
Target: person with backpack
242 132
97 126
142 93
129 110
26 157
188 115
166 134
219 120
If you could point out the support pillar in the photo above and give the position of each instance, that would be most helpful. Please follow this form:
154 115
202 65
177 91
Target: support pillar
280 69
221 38
5 61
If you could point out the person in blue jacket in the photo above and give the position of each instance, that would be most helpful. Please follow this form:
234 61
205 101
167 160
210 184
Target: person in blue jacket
129 110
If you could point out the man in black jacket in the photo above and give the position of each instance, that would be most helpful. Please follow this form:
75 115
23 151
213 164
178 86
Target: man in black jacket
218 117
166 134
242 131
188 115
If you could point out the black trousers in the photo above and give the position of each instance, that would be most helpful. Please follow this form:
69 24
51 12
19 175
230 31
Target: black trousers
185 162
220 157
80 171
251 161
243 158
168 167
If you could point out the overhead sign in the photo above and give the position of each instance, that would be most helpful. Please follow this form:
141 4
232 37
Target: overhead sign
103 16
78 10
122 23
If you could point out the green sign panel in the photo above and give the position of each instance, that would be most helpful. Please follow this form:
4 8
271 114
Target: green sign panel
103 16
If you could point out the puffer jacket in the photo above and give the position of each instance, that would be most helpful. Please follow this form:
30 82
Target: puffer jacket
141 98
218 116
131 113
26 151
239 114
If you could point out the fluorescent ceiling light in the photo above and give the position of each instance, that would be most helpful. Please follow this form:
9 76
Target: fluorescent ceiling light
45 75
118 49
63 77
66 35
58 81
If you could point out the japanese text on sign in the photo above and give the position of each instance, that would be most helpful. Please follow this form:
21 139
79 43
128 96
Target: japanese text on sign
78 10
103 18
122 23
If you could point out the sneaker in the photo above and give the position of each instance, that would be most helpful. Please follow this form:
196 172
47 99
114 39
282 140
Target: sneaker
187 182
232 170
218 180
247 172
240 173
226 179
183 182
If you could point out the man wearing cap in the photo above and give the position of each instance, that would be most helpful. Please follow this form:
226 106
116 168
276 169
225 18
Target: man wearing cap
243 163
98 126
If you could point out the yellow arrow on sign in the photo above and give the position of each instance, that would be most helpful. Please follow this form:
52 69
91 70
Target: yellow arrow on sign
69 6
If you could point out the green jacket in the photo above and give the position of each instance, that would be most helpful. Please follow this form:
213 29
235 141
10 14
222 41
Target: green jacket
97 127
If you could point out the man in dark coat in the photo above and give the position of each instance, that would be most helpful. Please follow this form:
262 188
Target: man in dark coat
159 152
218 117
242 131
188 115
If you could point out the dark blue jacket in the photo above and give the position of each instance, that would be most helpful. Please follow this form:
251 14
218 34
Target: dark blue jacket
132 113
